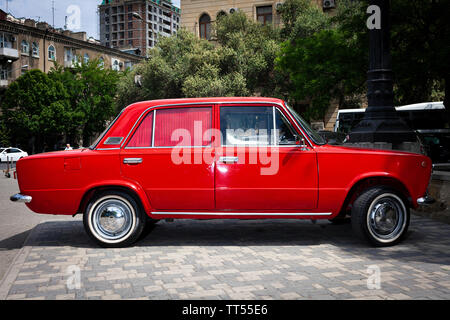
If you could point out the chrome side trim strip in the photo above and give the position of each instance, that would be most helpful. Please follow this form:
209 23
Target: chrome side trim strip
245 213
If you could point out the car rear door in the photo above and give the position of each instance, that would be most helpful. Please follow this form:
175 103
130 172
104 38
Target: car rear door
165 156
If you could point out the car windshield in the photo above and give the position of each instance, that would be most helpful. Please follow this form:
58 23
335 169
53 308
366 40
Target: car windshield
2 149
314 135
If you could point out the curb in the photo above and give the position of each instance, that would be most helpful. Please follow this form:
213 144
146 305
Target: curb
14 268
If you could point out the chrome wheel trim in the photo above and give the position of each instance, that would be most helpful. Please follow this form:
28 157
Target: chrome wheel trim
112 219
386 218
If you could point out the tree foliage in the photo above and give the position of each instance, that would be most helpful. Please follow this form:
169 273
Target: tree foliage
323 59
240 62
35 109
91 94
39 111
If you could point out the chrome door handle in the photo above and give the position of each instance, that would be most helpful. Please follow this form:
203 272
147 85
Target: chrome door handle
132 160
228 159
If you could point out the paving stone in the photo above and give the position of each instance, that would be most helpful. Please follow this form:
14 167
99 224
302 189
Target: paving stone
235 259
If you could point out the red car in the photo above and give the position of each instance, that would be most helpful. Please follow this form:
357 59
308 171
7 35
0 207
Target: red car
217 158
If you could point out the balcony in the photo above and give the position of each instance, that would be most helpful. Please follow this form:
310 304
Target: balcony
9 53
4 83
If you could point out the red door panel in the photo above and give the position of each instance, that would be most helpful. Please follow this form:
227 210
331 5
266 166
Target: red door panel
293 186
166 164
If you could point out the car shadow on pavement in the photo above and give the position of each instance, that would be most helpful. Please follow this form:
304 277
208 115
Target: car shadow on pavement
426 241
14 242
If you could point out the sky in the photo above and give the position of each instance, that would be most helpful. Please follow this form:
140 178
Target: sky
82 14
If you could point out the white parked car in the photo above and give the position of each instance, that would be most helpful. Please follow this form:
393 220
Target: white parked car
11 154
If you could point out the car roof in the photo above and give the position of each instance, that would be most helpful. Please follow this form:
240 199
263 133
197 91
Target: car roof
152 103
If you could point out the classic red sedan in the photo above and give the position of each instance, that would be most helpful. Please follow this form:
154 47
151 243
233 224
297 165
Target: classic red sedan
217 158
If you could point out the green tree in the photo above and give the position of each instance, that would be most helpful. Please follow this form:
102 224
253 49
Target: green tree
325 61
35 111
421 51
91 92
239 62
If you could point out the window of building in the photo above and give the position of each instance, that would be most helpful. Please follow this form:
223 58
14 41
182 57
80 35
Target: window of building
51 53
24 47
7 40
176 126
130 7
130 16
35 49
130 25
101 62
130 34
121 42
205 26
221 13
86 58
68 54
264 14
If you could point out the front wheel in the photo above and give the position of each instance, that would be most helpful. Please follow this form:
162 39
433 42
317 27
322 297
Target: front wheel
380 216
114 219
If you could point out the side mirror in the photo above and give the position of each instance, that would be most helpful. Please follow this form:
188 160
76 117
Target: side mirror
300 141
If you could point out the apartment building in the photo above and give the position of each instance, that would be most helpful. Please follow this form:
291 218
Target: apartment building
197 15
26 44
136 25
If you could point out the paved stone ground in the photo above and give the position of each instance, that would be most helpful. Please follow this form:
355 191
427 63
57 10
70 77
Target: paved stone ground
231 259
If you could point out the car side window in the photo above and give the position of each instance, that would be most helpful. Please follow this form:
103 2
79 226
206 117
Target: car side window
285 133
182 127
246 125
142 137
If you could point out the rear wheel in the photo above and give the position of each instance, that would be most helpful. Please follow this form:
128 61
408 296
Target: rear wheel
114 219
380 216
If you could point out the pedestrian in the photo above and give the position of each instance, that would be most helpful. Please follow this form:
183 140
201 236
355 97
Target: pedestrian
68 147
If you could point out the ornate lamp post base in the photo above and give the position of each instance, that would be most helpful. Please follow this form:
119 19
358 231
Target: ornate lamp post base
381 126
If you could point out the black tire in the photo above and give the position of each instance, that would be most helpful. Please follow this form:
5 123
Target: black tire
114 219
380 215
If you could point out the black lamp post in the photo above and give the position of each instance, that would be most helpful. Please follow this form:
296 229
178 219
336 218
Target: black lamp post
381 122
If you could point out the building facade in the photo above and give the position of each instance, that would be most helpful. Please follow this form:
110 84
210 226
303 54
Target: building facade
135 25
197 15
26 44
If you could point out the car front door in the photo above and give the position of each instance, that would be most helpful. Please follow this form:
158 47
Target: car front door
260 165
165 156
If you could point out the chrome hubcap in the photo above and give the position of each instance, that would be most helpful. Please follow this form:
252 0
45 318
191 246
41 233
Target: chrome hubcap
387 217
112 219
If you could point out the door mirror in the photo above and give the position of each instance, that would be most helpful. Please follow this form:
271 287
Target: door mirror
300 141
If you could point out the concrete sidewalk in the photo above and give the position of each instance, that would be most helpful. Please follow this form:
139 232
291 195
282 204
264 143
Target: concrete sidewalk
232 259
